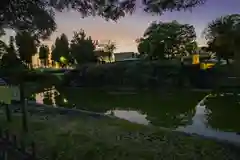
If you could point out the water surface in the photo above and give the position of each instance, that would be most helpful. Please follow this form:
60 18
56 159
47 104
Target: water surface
214 116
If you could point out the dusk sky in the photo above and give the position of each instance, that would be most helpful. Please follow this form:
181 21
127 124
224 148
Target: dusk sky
125 31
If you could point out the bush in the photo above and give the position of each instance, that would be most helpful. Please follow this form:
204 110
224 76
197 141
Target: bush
144 74
138 74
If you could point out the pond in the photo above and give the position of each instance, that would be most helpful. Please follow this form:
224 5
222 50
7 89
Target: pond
205 114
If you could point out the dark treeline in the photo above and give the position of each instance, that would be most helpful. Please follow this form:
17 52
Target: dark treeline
170 40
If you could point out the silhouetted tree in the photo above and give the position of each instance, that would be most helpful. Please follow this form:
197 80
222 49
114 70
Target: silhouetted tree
37 15
223 36
82 48
33 16
9 58
3 48
163 40
109 48
27 46
61 50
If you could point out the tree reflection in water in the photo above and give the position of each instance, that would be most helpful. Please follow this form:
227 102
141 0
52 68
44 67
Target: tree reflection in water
169 110
48 98
223 112
166 110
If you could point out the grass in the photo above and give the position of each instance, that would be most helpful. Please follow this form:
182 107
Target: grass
93 138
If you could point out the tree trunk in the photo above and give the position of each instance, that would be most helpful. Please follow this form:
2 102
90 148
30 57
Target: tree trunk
236 63
227 61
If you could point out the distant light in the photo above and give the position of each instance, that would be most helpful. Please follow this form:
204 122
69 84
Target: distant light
65 100
63 60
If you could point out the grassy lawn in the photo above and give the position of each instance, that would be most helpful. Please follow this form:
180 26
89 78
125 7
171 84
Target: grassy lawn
92 138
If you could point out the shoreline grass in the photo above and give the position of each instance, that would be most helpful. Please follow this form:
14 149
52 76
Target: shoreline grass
94 138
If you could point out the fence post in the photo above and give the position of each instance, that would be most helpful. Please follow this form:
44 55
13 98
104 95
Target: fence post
14 140
33 154
8 113
23 106
22 146
7 140
2 151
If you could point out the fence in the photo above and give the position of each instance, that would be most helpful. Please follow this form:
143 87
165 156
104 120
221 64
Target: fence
13 149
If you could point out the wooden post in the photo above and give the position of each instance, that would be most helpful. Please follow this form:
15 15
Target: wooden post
8 113
33 154
23 105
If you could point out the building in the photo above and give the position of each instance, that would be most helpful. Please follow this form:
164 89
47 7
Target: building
36 62
125 56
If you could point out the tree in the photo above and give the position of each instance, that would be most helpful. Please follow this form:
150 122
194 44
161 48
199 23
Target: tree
3 48
223 37
31 16
44 54
109 48
166 40
3 45
61 49
191 47
221 117
114 9
82 48
27 46
9 58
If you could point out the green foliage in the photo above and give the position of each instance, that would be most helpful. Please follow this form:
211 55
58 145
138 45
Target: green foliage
9 58
219 115
82 48
167 40
109 48
27 46
3 48
44 54
223 36
30 16
37 16
115 9
143 46
61 49
191 47
128 74
158 74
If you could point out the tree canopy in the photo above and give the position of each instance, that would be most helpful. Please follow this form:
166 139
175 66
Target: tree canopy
33 16
61 49
109 47
223 36
38 15
114 9
9 58
82 48
27 46
162 40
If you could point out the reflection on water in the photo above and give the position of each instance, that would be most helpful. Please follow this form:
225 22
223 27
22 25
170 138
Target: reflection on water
212 115
132 116
47 97
201 125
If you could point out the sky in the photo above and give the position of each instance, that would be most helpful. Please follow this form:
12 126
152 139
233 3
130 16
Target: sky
125 31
